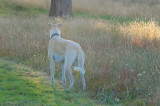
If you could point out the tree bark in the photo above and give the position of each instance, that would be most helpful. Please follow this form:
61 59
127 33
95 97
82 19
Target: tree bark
60 8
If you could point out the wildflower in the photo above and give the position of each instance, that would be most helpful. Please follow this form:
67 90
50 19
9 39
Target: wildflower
131 70
139 75
117 100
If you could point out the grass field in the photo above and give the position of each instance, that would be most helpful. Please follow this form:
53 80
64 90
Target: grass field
21 85
122 53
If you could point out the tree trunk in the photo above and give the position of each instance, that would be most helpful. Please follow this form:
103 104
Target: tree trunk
60 8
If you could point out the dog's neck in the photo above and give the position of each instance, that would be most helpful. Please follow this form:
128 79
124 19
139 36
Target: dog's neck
53 35
54 32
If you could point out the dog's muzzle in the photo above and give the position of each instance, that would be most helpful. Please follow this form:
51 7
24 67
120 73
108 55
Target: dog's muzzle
54 35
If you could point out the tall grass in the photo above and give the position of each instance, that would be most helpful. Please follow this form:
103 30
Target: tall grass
24 39
122 61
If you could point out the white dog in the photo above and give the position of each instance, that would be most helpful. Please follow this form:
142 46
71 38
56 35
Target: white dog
65 52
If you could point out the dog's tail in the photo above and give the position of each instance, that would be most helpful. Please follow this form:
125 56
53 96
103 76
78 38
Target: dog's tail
80 62
82 71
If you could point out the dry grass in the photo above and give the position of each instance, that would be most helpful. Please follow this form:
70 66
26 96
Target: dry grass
23 38
142 34
113 61
123 8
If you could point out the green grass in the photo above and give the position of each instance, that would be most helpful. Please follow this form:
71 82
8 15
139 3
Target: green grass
9 8
20 85
108 18
113 19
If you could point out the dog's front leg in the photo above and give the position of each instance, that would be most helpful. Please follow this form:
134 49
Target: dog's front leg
63 73
52 66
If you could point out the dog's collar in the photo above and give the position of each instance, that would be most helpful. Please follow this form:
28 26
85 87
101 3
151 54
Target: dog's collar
54 35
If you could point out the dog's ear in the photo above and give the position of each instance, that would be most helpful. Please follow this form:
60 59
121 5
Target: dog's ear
50 25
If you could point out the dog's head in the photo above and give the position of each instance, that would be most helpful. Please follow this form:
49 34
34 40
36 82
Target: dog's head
54 29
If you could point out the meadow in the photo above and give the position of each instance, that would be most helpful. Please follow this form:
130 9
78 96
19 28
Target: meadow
118 8
122 52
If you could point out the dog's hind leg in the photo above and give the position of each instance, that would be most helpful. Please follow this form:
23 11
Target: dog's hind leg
81 59
69 72
83 82
69 60
63 65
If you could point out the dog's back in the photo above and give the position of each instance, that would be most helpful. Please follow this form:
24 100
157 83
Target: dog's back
61 46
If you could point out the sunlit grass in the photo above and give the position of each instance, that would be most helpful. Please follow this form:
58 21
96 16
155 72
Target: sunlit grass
142 33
